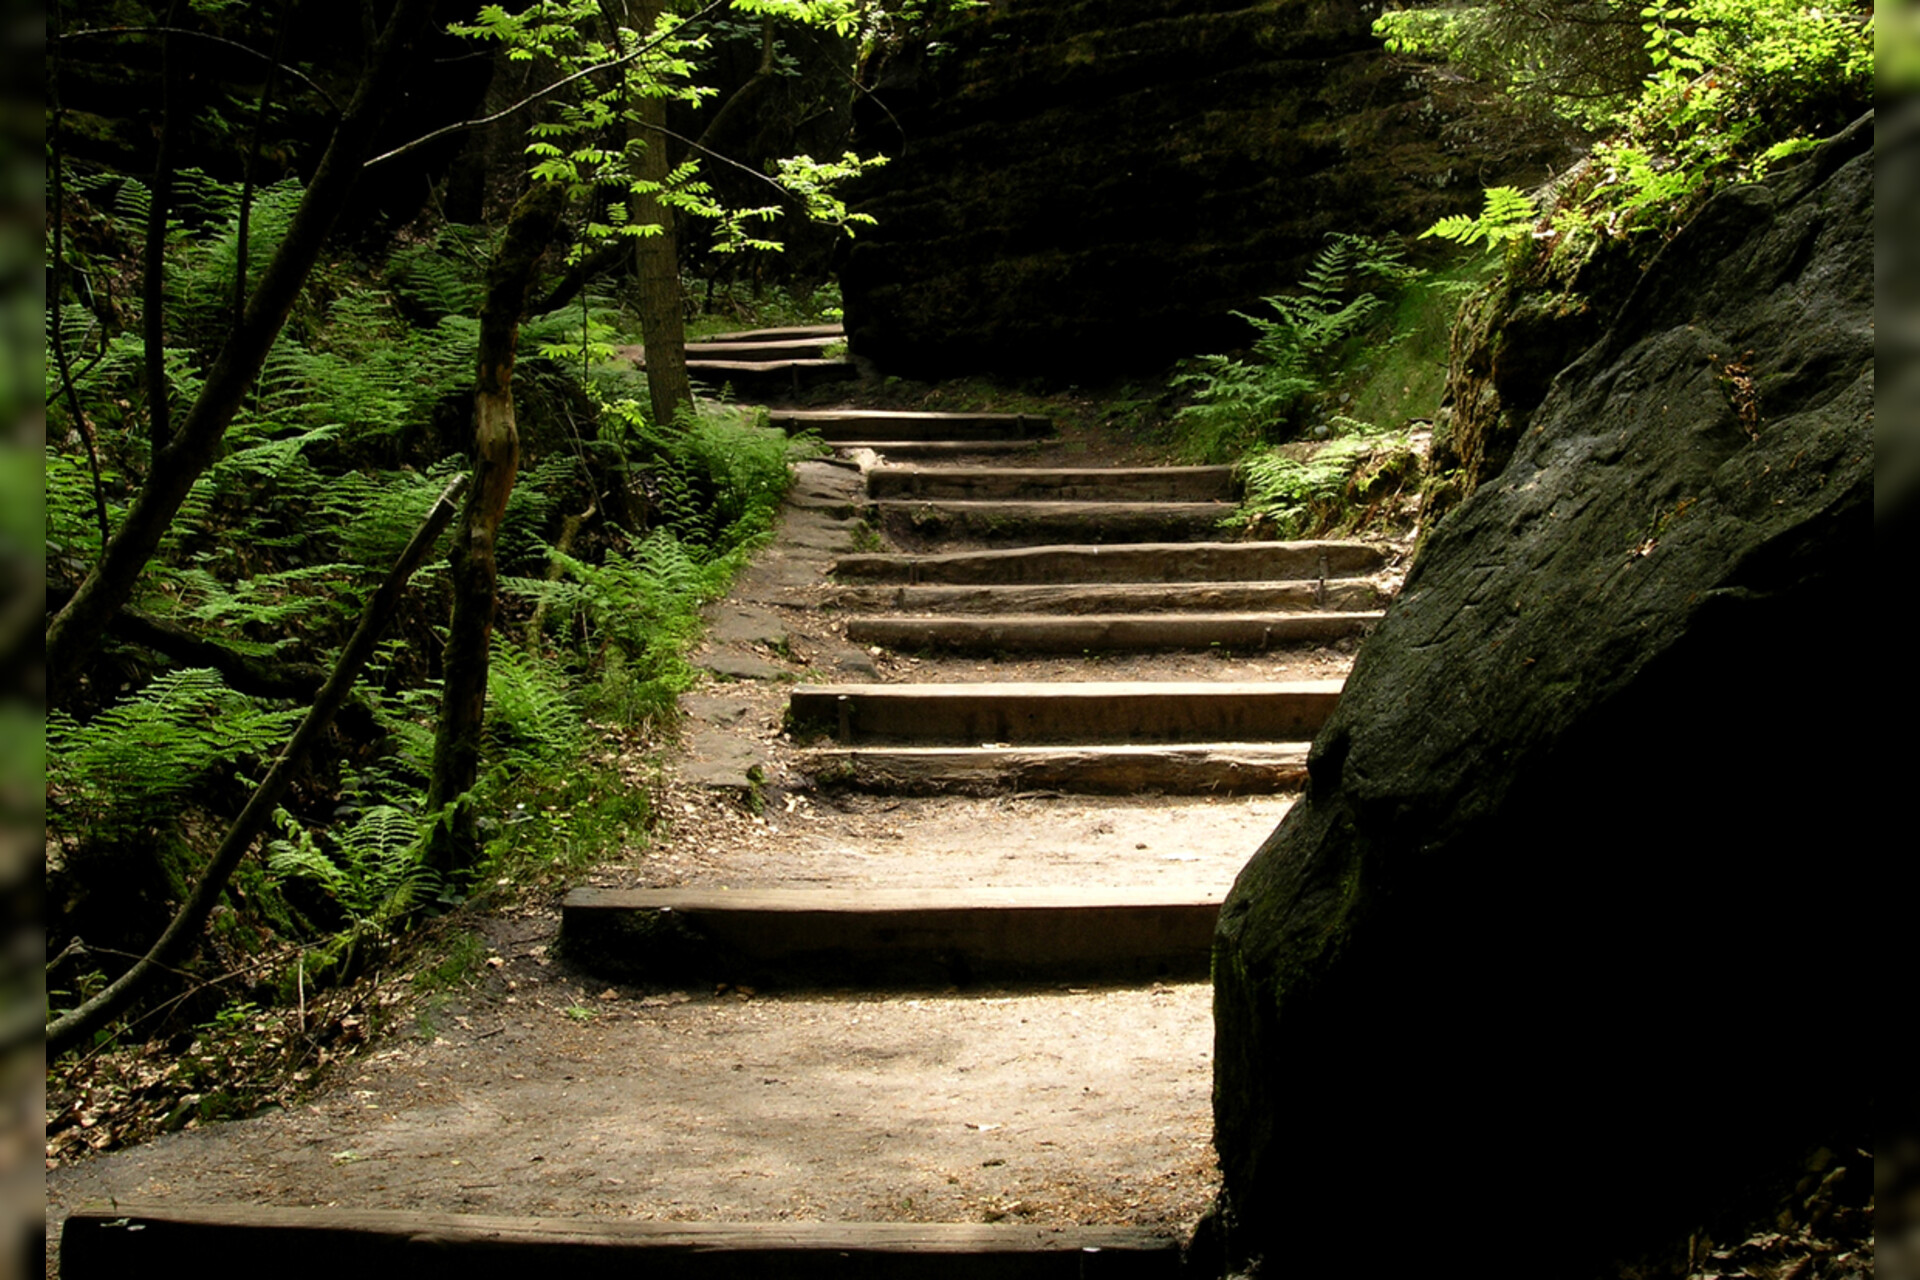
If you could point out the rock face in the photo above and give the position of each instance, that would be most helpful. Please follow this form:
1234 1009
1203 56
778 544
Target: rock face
1560 943
1083 185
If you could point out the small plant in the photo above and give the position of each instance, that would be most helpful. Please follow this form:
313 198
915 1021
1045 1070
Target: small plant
1241 403
372 869
137 760
1300 492
1508 214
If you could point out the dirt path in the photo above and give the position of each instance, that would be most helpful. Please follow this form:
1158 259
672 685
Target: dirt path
542 1091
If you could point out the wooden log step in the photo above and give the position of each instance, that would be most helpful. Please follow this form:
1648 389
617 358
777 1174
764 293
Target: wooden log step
1064 714
1139 562
1343 594
1217 768
924 523
890 937
762 352
759 376
1063 484
942 449
779 333
1108 632
325 1244
834 425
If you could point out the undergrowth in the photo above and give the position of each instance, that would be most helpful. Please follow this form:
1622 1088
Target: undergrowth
1363 341
618 530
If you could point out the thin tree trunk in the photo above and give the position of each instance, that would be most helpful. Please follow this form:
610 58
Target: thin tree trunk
496 463
159 204
76 630
184 932
56 171
663 322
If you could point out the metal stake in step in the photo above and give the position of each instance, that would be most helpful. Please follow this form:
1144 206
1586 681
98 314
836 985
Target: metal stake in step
1320 587
844 706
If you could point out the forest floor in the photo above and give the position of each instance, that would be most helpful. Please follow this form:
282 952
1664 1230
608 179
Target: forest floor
534 1089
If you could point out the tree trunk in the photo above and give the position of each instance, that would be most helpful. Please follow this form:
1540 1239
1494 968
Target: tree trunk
663 325
76 630
496 463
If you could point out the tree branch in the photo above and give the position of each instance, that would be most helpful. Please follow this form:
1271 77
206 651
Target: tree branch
104 32
533 97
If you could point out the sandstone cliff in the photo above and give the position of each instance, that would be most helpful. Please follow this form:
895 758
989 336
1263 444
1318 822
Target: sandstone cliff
1580 879
1092 186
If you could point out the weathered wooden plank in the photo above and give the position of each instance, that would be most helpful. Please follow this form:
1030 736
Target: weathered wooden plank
1139 562
947 449
922 523
889 937
1108 633
1060 484
293 1244
760 351
1065 713
1339 595
890 425
1243 768
779 333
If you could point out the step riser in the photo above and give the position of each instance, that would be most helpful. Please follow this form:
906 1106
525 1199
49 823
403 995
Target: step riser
921 524
615 933
944 450
1340 596
1164 484
1234 713
1193 562
761 352
917 433
909 427
789 333
1193 772
1108 634
774 378
325 1244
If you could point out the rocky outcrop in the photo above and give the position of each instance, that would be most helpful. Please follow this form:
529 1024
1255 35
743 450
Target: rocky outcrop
1556 950
1085 185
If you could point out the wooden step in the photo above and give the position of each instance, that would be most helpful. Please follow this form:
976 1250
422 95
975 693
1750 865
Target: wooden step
1064 714
833 425
1345 594
924 523
1106 632
947 450
1140 562
889 937
1062 484
325 1244
781 333
764 352
1215 768
774 377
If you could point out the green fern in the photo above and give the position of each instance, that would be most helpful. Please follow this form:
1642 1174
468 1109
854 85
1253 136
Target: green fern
137 760
534 724
1239 403
1507 213
1293 497
373 868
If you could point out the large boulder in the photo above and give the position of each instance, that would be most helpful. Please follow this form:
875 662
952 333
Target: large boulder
1088 187
1565 945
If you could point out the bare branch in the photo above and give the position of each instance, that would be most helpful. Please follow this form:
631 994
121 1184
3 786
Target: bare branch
533 97
112 32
